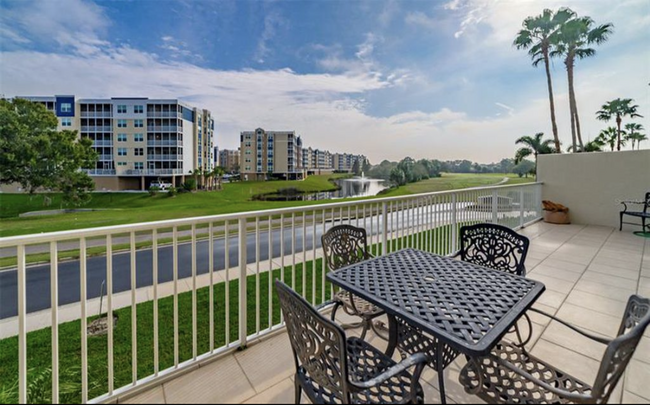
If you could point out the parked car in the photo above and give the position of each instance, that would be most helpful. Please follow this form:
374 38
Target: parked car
162 185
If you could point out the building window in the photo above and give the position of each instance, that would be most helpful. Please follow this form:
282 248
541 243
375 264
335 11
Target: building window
66 122
121 151
121 109
66 107
138 109
121 137
121 163
139 151
138 137
138 165
121 123
138 123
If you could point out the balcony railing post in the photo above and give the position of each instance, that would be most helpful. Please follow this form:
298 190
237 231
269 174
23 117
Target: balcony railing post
521 208
495 206
454 223
243 304
384 232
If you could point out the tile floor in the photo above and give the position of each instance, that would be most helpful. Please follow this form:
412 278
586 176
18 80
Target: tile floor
589 273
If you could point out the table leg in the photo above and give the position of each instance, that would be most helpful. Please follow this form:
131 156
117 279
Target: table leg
392 336
441 372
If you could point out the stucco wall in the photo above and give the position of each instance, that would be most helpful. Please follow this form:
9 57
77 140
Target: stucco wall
591 184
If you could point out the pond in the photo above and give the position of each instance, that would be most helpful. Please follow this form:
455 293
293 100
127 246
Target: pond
348 188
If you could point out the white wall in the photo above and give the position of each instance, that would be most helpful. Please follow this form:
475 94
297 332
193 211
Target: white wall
591 184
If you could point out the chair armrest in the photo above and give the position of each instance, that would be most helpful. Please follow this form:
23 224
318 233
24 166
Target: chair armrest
418 360
454 255
324 305
579 398
573 328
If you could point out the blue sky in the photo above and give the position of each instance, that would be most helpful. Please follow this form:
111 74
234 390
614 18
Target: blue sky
435 79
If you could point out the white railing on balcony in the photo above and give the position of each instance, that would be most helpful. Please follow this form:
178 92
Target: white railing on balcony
157 142
100 172
216 271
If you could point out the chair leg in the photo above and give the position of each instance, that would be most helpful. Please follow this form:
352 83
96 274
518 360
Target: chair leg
334 310
367 324
620 228
298 391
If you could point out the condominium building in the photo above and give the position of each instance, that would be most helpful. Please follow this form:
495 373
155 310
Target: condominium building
317 159
229 160
138 140
266 154
345 161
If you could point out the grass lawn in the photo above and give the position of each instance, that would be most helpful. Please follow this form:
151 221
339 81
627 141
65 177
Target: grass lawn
39 349
128 208
453 181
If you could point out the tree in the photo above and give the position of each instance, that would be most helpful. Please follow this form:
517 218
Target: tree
571 41
609 137
633 133
356 167
37 156
366 167
523 168
618 108
533 145
592 146
536 36
642 137
218 173
398 177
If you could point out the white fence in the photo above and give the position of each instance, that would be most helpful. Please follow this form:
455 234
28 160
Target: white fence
210 280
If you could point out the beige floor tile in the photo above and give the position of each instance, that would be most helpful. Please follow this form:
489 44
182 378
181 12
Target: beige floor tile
629 398
220 382
538 319
561 274
644 282
552 298
637 377
552 283
586 318
267 363
597 303
614 271
573 363
604 290
564 265
617 263
583 260
281 393
153 396
611 281
565 337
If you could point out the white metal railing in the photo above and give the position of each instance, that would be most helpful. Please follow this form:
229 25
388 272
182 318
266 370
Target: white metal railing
229 263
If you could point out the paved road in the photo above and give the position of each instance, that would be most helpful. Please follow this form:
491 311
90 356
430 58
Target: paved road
38 277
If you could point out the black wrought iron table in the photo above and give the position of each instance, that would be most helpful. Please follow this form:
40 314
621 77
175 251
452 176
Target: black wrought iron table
467 307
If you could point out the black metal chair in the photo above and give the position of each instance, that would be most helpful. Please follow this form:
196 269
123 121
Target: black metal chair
345 245
644 214
499 248
509 375
494 246
333 369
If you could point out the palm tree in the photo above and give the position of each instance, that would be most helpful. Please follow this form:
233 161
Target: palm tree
592 146
536 37
608 137
570 42
534 145
618 108
633 132
218 172
641 138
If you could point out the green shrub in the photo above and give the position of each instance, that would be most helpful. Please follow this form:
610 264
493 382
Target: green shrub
190 184
153 191
172 191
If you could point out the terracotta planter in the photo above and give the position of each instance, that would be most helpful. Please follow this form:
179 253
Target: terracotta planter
556 217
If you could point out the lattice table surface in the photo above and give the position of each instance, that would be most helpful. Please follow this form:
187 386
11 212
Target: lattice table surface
466 306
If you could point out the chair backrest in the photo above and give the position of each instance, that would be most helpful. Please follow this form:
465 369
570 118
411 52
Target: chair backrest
494 246
344 245
319 345
619 352
646 207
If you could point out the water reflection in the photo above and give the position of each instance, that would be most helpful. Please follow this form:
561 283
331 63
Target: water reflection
349 188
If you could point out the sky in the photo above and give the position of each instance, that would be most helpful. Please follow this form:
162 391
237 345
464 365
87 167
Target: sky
388 79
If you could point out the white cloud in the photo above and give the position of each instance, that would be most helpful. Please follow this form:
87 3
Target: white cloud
272 21
421 19
509 109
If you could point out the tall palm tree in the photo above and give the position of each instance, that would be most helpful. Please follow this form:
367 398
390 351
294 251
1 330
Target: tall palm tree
618 108
533 145
218 173
633 132
536 37
571 41
592 146
609 137
642 137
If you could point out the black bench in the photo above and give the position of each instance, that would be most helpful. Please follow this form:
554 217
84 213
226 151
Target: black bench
644 215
